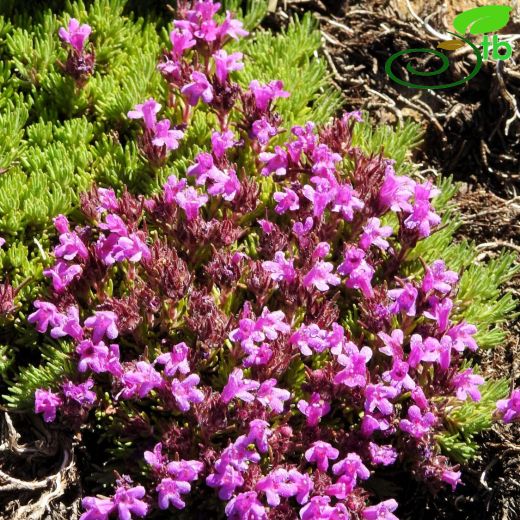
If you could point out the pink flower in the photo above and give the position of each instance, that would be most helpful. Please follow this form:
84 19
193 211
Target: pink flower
259 433
187 470
264 94
466 383
304 485
245 506
385 455
107 200
103 323
276 485
75 35
62 274
423 217
146 111
46 402
451 477
176 360
374 233
309 339
509 408
263 130
226 63
220 142
275 162
315 409
155 458
182 40
232 27
93 356
287 201
46 315
2 242
199 88
80 393
346 202
190 201
417 424
97 508
280 269
128 503
360 273
439 310
438 278
378 396
140 380
355 372
349 469
70 247
225 183
320 198
271 396
404 299
170 491
393 343
398 376
185 392
302 228
320 453
239 387
317 509
381 511
320 276
165 137
203 168
396 191
461 336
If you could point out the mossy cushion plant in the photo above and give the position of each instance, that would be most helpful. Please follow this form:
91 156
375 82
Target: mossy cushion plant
245 304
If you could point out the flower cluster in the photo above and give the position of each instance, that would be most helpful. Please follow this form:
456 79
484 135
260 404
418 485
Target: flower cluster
80 61
250 325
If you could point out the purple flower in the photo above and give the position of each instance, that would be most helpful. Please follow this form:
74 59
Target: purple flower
146 111
320 198
280 269
304 485
80 393
176 360
232 27
320 276
97 508
199 88
239 387
140 380
417 424
170 491
163 136
287 201
461 336
264 94
355 372
393 343
374 233
93 356
71 246
439 311
305 142
130 248
2 242
451 477
385 455
398 376
203 168
317 509
346 202
75 35
128 503
227 478
187 470
263 130
107 200
349 469
466 383
226 63
276 485
423 217
509 408
381 511
103 323
271 396
245 506
259 433
315 409
185 392
46 402
378 396
404 300
438 278
45 315
155 458
225 183
220 142
320 453
371 423
303 228
396 191
309 339
182 40
62 274
276 162
190 201
257 355
360 273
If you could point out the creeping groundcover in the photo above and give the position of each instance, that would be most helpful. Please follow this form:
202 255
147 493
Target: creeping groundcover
222 297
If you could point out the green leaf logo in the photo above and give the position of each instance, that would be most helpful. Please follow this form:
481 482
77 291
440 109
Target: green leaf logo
489 18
